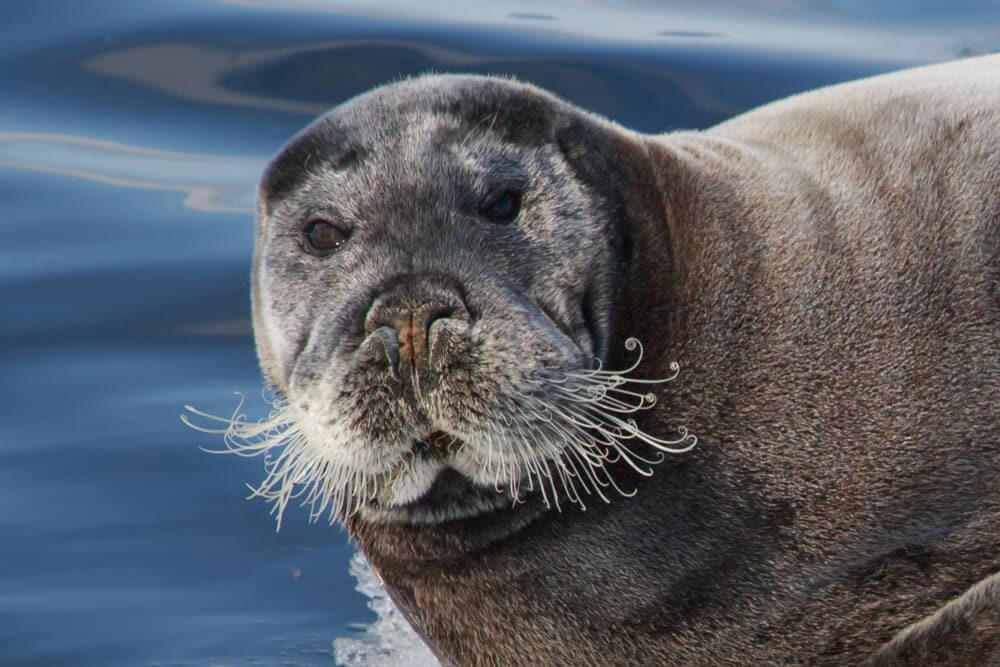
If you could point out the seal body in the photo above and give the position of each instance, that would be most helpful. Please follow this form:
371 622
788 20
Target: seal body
825 269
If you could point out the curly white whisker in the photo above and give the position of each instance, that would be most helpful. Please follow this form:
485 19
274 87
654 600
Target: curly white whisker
556 435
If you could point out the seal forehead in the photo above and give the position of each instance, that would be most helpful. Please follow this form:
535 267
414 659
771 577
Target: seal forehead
407 114
514 112
516 109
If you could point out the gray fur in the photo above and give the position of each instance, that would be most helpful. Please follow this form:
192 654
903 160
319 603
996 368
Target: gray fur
826 269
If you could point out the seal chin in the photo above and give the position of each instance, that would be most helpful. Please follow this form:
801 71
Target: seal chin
433 493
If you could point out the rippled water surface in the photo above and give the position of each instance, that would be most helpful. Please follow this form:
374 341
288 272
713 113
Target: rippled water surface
131 137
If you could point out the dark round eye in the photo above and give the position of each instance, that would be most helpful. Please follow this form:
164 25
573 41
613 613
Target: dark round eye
502 209
322 237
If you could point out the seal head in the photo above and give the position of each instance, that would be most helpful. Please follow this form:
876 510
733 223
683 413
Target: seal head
435 281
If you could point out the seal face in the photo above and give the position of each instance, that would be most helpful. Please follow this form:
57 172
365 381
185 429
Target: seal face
433 297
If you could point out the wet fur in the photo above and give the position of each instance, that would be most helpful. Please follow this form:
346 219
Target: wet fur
827 271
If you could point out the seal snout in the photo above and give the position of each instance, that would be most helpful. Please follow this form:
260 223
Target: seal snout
413 320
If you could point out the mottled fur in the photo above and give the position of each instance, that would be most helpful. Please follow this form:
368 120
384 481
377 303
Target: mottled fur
826 269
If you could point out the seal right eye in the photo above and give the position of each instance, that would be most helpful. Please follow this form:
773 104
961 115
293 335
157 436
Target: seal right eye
502 209
322 237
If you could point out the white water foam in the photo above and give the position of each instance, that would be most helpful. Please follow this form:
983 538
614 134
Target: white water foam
389 641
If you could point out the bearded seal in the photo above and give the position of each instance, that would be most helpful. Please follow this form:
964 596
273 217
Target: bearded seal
450 272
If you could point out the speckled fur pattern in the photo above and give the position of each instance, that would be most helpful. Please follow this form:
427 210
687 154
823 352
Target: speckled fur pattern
826 269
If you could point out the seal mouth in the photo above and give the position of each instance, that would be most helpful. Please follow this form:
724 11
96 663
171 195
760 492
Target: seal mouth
424 487
436 445
446 495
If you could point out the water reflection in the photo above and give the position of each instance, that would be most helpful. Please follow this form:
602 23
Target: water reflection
303 79
901 32
212 183
190 71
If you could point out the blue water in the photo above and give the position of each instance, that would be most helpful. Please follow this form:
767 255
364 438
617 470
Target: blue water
131 137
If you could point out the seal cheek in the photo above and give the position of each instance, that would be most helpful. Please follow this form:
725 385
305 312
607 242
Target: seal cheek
275 330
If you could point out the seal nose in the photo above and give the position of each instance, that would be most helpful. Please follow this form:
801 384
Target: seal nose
413 331
405 318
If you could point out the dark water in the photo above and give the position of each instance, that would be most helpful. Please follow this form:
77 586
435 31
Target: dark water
131 136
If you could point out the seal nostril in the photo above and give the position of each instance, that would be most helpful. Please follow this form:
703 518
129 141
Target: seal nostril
435 313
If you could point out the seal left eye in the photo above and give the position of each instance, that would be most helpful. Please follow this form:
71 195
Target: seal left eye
322 237
504 208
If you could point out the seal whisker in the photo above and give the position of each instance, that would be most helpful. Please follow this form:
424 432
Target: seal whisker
293 468
568 462
554 435
547 476
589 469
593 470
615 435
528 461
580 414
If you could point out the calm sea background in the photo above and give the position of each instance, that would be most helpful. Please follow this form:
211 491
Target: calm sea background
131 138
